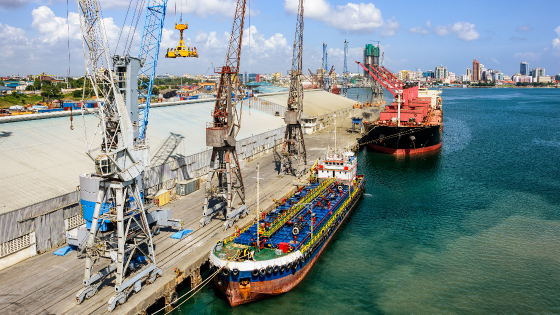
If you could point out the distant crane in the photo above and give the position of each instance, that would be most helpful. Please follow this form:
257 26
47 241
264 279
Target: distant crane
111 197
294 145
345 74
325 68
221 133
314 77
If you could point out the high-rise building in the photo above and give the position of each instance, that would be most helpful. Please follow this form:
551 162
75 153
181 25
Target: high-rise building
468 72
475 70
524 68
371 56
537 72
451 76
441 72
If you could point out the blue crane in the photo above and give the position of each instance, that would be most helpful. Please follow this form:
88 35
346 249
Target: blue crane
149 51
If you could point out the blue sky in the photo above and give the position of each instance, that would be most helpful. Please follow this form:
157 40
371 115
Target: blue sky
34 34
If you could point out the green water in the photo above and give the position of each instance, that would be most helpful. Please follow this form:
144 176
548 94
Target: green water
472 229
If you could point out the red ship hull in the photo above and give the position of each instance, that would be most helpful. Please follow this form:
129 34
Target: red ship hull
404 151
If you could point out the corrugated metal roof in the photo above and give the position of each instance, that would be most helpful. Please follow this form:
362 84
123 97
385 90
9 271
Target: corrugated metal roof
42 159
315 102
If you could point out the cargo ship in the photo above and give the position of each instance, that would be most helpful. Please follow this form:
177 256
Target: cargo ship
273 255
412 125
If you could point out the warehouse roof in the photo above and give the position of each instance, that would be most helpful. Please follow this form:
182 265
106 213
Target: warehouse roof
315 102
42 159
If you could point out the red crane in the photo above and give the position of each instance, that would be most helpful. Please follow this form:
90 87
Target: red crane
220 135
294 145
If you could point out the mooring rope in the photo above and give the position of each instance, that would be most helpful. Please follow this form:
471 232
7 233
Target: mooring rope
200 286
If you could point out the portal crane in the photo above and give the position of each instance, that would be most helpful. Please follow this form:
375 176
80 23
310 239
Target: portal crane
220 135
111 198
294 145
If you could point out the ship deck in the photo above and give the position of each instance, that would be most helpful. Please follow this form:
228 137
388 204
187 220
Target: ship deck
321 200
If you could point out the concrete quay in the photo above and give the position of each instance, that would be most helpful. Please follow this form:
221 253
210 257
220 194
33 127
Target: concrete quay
47 284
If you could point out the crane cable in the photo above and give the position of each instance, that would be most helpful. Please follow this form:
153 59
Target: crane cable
122 28
68 23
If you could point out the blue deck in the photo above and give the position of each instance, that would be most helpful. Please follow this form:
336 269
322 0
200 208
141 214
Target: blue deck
322 206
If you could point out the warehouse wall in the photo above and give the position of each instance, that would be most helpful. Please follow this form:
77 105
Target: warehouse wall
44 224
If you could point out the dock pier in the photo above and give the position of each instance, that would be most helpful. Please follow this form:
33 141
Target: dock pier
47 284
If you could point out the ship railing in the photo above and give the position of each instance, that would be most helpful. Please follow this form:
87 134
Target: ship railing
331 221
280 221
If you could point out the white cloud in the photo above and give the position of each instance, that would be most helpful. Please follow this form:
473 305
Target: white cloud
464 30
199 8
557 30
441 30
524 28
527 56
495 61
420 29
556 43
11 38
390 27
10 32
51 28
417 30
351 17
261 47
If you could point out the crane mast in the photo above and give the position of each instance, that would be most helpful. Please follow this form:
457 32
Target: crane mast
220 135
294 145
111 199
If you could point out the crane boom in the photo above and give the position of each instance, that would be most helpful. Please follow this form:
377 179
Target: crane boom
149 51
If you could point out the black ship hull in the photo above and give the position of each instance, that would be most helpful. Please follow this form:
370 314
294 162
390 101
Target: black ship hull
402 140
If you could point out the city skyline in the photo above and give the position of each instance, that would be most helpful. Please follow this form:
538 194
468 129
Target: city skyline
35 35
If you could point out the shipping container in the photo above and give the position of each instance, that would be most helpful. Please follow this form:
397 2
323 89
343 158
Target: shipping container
186 187
162 198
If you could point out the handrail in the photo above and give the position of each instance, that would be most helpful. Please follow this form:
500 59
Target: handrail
279 222
331 220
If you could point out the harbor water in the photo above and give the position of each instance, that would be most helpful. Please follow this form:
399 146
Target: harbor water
471 229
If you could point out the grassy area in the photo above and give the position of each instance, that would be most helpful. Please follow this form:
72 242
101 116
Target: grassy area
23 99
18 99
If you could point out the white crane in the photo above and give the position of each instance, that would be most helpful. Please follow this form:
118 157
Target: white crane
111 199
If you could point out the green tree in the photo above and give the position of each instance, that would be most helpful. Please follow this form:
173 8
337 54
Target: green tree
50 91
37 84
1 82
30 88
